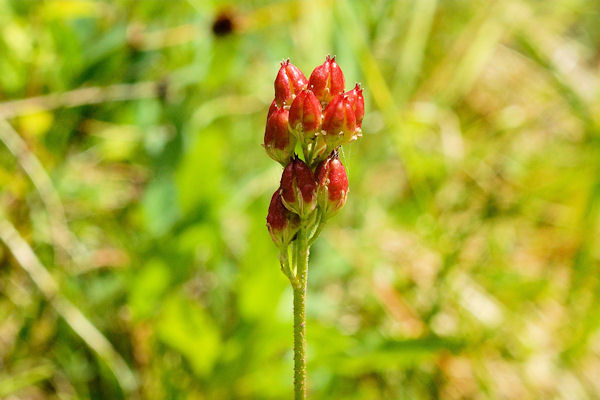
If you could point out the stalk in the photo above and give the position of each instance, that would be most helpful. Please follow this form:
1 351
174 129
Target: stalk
300 316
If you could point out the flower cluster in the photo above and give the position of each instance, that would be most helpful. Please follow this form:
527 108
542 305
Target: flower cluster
319 116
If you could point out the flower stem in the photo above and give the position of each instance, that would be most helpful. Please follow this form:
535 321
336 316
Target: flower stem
284 259
317 231
300 316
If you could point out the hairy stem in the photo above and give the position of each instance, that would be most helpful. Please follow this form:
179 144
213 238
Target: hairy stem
318 228
300 316
284 259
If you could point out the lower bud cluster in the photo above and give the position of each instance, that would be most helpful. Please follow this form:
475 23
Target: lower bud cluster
302 193
320 116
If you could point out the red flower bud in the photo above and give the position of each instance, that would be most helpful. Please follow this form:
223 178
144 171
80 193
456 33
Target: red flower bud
272 108
281 223
288 83
339 121
327 80
279 142
332 185
305 115
298 188
357 101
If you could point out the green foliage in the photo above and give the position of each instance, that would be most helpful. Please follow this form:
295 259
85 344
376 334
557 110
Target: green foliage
465 263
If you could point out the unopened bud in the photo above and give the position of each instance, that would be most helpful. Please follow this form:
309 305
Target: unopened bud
305 115
339 122
288 83
272 108
327 80
357 101
298 188
279 142
332 185
282 224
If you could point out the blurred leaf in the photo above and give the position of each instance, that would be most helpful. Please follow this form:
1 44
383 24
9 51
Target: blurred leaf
199 176
17 381
151 282
160 206
185 326
390 355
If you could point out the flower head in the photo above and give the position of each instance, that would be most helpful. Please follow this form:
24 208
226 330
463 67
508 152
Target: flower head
332 185
298 188
288 83
272 108
282 224
305 115
279 142
357 101
339 121
327 80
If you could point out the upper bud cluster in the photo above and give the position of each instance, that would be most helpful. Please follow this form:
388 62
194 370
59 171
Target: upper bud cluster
321 116
318 112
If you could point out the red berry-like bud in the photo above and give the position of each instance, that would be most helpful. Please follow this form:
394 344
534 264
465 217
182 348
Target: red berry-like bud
305 115
357 101
339 122
272 108
327 80
288 83
282 224
279 142
332 185
298 188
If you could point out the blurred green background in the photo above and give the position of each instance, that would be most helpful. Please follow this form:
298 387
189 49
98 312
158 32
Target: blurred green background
134 258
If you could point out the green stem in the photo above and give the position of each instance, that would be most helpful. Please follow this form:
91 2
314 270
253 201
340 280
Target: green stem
320 224
284 259
295 256
300 317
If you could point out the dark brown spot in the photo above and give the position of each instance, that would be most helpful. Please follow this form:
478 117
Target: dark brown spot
223 24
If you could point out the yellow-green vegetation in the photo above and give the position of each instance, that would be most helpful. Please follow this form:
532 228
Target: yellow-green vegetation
134 258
